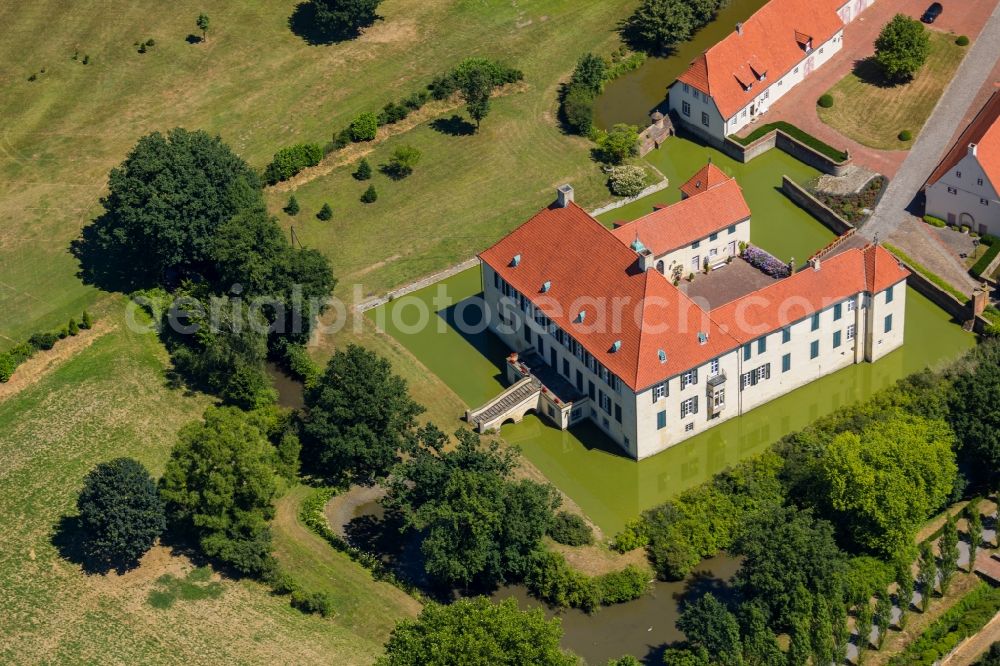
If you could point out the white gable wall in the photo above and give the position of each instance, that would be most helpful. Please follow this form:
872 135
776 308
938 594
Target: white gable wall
965 195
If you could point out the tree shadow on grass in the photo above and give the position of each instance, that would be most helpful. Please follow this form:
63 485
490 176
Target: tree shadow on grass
107 265
193 39
870 72
303 24
69 538
454 126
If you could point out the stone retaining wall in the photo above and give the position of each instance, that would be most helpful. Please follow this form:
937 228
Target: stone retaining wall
773 139
652 189
802 198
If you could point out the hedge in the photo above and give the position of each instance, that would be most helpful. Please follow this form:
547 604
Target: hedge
21 352
935 221
289 161
984 261
962 620
933 277
795 133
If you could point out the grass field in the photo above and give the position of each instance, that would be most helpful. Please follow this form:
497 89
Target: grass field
888 110
262 87
111 400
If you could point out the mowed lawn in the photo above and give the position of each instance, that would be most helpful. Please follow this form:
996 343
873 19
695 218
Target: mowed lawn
262 87
111 400
874 114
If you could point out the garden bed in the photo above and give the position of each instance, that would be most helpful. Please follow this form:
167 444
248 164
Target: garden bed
851 207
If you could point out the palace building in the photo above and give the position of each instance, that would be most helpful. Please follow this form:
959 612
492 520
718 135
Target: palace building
658 329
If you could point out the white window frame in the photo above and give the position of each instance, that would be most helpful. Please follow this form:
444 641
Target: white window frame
659 392
850 332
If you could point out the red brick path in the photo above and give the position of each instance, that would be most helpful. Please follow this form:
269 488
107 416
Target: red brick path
798 106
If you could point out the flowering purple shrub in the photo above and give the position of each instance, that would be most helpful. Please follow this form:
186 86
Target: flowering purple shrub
765 262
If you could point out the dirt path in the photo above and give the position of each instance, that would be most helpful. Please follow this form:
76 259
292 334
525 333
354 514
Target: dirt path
42 363
976 646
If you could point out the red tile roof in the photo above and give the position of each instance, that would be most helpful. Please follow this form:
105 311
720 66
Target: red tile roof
589 269
707 177
772 39
984 131
872 269
690 219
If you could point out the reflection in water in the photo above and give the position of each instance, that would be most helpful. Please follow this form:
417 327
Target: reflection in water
642 628
289 389
609 487
633 96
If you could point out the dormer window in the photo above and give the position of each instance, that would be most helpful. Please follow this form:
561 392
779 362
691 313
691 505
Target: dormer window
546 286
515 261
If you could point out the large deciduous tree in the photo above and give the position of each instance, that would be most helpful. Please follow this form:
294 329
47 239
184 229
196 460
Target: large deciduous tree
975 413
902 47
168 198
219 485
121 513
785 550
359 417
882 484
476 631
708 624
658 26
343 19
477 524
476 90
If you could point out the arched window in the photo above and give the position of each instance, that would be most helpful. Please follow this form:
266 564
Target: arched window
661 268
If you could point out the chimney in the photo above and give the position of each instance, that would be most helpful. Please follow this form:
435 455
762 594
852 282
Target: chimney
657 119
972 149
980 298
815 261
564 195
739 29
791 266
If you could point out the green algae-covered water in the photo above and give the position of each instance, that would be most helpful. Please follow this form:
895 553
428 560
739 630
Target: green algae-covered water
610 487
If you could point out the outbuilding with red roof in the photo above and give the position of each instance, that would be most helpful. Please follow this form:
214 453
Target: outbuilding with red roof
730 84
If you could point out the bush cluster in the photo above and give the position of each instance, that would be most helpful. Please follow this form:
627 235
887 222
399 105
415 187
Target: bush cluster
905 135
962 40
626 180
571 530
765 261
289 161
825 100
320 603
445 85
42 341
935 221
551 579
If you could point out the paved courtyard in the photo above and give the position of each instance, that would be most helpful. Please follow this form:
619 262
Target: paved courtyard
725 284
